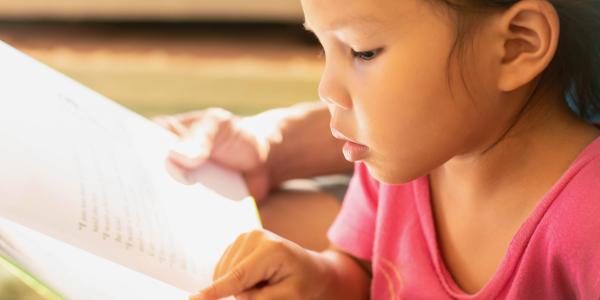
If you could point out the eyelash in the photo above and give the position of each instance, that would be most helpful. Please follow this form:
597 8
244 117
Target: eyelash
366 55
362 55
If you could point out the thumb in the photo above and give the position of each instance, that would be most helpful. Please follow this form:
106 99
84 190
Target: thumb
191 152
269 292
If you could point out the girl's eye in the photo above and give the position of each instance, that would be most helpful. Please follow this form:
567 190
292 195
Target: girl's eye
366 55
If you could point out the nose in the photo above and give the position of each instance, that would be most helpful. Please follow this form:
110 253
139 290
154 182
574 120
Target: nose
332 90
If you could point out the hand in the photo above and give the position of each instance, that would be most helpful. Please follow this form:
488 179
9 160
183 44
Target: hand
224 138
260 265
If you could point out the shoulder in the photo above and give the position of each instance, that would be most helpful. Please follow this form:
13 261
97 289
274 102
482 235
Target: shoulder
577 193
573 222
566 236
576 207
580 194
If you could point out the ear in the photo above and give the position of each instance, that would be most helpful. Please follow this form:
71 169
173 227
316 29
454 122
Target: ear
529 33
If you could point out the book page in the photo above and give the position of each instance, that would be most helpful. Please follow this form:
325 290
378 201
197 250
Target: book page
86 171
82 275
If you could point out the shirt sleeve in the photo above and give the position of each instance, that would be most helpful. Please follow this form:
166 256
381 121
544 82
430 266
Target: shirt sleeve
353 230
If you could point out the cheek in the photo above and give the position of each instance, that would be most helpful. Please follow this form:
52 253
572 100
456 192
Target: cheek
407 114
407 100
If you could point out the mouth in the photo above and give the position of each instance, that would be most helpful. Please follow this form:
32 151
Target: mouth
340 136
352 150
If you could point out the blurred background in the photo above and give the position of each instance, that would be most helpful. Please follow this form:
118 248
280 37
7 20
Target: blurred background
168 56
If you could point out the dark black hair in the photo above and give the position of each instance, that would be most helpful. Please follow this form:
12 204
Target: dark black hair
576 66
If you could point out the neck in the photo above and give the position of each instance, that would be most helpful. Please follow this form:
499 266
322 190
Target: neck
522 166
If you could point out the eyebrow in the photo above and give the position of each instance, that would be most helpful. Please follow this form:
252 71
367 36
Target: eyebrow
363 19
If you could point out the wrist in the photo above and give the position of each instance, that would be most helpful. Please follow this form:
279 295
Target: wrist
325 281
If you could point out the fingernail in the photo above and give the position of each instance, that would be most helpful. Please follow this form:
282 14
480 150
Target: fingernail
188 147
189 153
196 297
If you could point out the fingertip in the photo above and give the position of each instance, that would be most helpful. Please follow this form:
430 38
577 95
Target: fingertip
183 163
209 293
189 153
220 288
186 161
198 296
177 172
158 119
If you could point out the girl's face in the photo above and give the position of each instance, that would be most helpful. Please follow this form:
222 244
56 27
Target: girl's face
387 85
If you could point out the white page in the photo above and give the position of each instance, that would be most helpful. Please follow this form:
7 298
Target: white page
77 274
86 171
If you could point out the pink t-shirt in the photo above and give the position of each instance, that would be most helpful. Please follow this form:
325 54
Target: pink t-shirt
554 255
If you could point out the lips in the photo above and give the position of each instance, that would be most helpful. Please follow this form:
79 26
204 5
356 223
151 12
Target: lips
352 150
340 136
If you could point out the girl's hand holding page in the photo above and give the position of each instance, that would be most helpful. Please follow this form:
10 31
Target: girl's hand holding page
218 135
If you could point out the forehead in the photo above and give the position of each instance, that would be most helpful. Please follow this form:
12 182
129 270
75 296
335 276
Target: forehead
333 14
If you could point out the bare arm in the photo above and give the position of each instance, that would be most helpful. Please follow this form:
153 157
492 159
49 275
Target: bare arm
350 277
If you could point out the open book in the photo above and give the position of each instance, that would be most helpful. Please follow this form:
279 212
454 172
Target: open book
87 206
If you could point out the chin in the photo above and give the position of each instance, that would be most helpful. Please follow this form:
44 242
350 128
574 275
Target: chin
389 175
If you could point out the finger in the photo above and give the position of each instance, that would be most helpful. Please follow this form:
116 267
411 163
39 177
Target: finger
197 147
191 152
172 124
218 272
176 126
278 291
251 270
178 172
245 246
177 123
232 254
165 123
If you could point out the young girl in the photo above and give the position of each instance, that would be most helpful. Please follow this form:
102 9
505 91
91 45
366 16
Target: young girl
474 179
